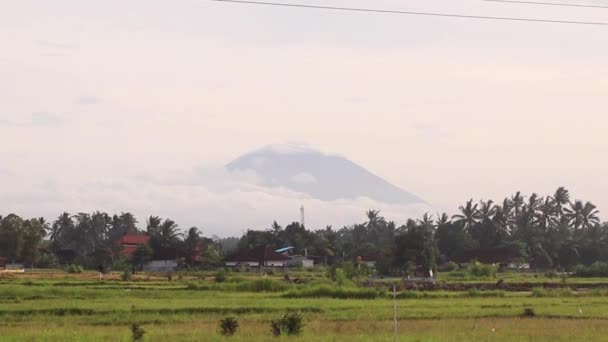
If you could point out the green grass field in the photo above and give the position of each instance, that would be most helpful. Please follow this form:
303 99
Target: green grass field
55 306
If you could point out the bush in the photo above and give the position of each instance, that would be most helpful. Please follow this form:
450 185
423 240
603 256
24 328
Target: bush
541 292
126 275
72 268
220 276
340 277
262 285
326 291
228 326
448 267
597 269
408 295
477 293
478 269
137 332
290 324
529 312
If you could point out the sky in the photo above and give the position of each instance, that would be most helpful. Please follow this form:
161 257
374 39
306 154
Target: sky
136 105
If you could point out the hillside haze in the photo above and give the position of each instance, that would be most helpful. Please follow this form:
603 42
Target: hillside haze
322 176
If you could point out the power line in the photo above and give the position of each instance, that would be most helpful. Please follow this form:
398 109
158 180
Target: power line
428 14
546 3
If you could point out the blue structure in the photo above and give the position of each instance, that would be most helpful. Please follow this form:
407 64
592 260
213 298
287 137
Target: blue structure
284 249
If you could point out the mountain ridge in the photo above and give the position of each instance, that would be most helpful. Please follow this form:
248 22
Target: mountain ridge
323 176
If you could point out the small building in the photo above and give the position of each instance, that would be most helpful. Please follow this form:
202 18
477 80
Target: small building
130 243
161 266
503 257
257 257
370 259
300 261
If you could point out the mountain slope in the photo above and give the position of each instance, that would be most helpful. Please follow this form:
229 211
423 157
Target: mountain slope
325 177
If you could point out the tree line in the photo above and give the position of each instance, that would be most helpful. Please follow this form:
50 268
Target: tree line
551 232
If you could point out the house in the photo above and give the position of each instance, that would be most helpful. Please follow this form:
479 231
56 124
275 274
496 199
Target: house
160 266
370 259
300 261
257 257
130 243
14 268
503 257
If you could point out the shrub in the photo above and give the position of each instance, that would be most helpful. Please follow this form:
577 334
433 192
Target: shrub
529 312
228 326
408 295
72 268
478 293
262 285
327 291
478 269
539 292
340 277
290 324
137 332
448 267
597 269
126 275
220 276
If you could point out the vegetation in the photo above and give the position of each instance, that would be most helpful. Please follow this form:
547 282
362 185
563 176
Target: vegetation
46 305
290 324
552 232
137 332
228 326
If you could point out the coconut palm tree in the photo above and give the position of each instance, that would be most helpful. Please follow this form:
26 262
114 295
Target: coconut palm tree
546 214
561 198
590 217
518 202
486 210
575 214
468 217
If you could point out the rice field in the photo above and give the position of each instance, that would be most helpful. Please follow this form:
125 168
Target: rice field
55 306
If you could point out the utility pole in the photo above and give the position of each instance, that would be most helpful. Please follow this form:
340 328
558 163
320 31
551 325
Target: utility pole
395 309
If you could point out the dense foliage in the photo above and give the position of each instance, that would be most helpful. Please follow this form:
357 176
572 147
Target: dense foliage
552 232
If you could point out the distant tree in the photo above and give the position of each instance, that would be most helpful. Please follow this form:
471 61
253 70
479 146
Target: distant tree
11 236
141 255
33 233
192 243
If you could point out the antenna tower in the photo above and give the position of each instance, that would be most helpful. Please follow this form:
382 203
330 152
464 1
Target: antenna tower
302 216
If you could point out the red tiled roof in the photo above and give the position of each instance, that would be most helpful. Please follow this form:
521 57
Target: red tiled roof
134 239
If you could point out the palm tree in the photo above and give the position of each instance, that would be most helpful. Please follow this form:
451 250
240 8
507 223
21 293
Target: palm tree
63 226
169 233
468 216
574 214
560 199
546 214
153 225
518 202
486 210
590 217
442 219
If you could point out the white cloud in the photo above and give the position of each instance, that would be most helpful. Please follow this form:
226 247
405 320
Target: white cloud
303 178
222 203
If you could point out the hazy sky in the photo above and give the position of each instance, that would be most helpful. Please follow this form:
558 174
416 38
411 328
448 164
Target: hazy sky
135 105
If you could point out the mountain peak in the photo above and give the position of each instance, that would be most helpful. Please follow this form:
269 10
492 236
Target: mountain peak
326 177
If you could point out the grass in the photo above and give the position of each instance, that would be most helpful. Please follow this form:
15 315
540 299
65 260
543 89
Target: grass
51 306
